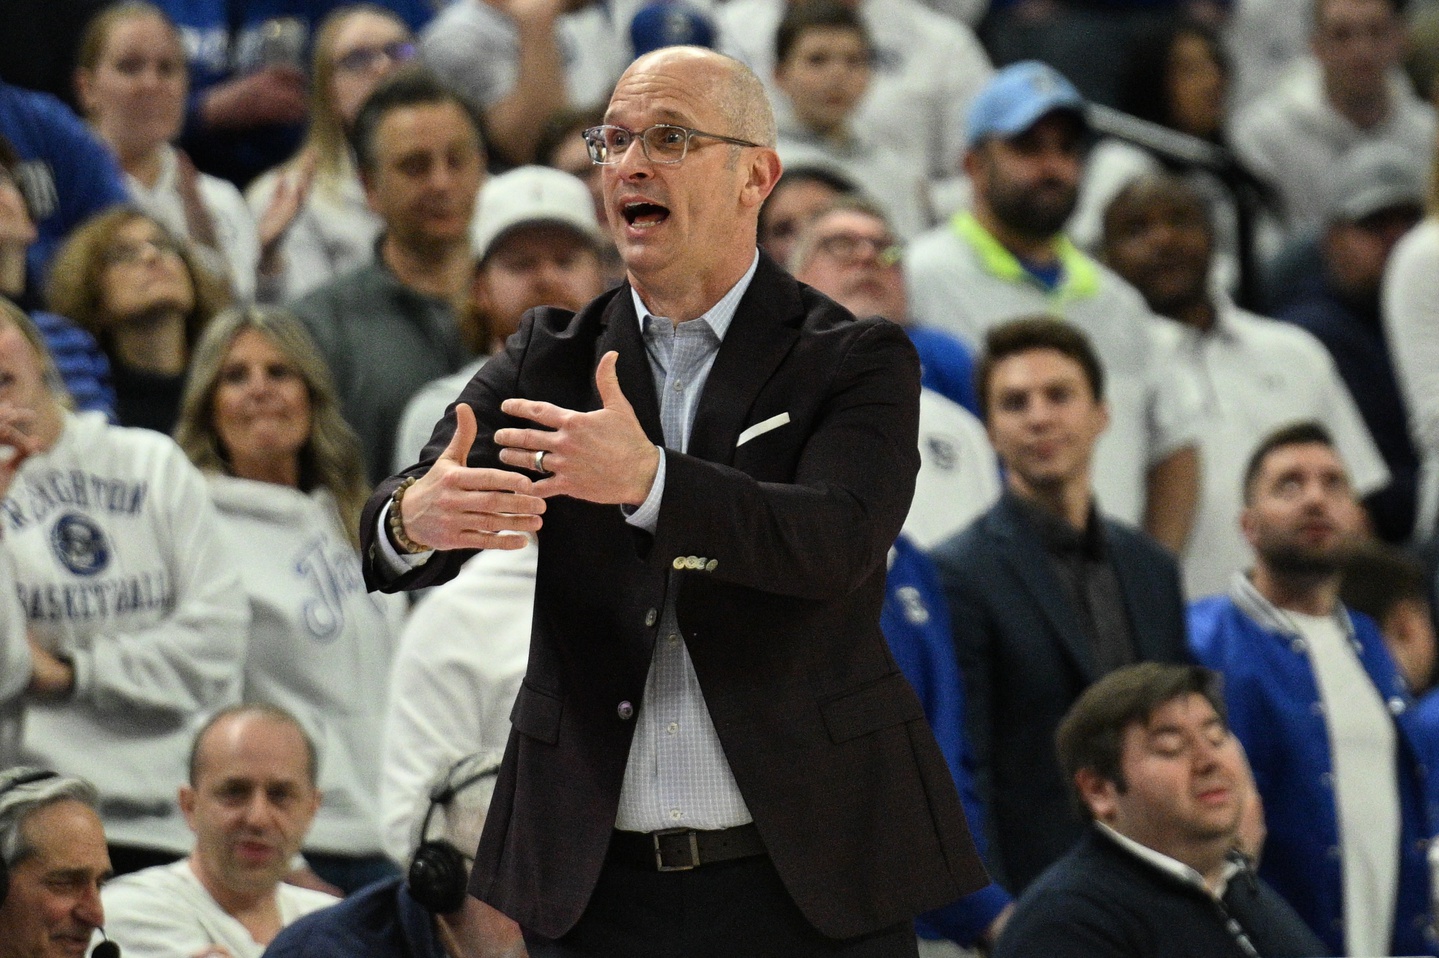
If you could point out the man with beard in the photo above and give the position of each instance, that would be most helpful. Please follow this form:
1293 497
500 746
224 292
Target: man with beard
1155 769
1255 374
1007 257
1321 708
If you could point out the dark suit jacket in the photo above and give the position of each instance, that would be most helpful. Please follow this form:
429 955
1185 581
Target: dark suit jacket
826 740
1025 659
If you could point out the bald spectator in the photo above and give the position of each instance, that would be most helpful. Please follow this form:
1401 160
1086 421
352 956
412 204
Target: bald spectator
54 862
250 800
1350 93
1253 374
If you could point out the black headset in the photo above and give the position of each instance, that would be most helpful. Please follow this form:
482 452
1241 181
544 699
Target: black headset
438 875
27 776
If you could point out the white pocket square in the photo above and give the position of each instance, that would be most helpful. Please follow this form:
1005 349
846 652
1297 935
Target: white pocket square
760 428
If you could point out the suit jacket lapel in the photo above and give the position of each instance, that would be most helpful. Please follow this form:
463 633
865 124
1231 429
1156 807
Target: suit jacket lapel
1024 553
764 328
622 334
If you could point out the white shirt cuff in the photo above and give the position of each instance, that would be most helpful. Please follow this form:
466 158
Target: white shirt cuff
647 515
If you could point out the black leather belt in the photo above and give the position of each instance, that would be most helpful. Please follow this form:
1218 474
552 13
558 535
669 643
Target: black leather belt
681 849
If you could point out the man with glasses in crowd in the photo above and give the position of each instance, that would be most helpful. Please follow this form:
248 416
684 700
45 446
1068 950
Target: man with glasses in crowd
710 717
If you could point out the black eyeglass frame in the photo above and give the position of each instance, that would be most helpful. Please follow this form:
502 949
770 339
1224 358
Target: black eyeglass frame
594 141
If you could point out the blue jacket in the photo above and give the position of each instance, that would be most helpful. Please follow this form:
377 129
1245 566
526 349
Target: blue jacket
1275 709
915 620
378 921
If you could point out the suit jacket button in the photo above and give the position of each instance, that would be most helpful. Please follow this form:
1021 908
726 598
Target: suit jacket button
651 616
679 562
711 565
625 711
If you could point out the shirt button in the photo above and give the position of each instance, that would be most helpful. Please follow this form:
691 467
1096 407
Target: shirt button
651 616
679 386
674 638
679 562
675 814
711 565
625 711
1396 706
674 727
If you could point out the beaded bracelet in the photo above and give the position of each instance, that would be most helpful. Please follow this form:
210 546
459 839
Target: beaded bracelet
397 524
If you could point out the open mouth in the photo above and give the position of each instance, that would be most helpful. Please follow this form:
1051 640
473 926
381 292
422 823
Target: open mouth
642 215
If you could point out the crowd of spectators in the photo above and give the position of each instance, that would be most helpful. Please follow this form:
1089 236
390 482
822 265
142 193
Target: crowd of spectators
1171 269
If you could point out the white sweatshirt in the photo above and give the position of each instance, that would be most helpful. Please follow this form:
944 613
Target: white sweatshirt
320 645
119 569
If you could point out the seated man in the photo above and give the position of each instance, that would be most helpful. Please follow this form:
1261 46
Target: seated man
1046 592
1155 768
250 801
427 914
54 863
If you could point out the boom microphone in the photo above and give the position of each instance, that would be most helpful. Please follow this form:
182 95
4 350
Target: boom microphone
106 948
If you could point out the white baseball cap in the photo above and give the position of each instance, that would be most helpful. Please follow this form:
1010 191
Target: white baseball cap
532 195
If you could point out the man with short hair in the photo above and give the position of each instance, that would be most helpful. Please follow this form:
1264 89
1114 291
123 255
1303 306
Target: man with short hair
426 914
53 850
1008 257
1046 594
1253 374
1352 92
1321 708
700 453
850 254
250 801
389 327
1157 773
1375 196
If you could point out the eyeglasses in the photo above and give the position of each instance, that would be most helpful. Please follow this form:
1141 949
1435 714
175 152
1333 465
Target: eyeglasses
364 59
662 143
125 253
851 248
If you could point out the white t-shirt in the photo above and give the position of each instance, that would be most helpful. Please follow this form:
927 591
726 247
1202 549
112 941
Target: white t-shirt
1254 375
1362 746
164 912
456 674
958 472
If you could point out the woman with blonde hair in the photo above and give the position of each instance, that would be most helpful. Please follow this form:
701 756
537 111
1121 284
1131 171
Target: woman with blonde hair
261 420
143 295
131 81
334 229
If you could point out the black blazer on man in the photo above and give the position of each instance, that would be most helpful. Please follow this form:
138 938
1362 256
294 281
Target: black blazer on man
789 531
1025 659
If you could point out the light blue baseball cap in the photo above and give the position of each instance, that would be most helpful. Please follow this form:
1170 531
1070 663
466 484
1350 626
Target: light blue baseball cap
1016 97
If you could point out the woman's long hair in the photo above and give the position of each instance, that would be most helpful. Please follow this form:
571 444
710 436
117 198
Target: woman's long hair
330 458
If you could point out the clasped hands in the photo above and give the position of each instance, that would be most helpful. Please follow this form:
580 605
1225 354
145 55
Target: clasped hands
601 456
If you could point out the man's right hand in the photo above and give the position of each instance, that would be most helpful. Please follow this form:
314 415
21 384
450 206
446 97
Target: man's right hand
456 506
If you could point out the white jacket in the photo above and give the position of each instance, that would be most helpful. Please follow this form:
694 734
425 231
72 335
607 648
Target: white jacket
320 645
119 569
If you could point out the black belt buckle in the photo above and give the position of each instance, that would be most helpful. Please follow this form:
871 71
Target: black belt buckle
660 846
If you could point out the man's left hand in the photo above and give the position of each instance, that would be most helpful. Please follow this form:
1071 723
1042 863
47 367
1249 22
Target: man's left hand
601 456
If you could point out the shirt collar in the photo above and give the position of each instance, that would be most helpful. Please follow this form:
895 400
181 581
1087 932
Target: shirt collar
1080 276
719 316
1173 866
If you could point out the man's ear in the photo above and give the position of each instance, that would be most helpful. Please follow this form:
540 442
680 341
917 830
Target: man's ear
764 173
1099 794
187 805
